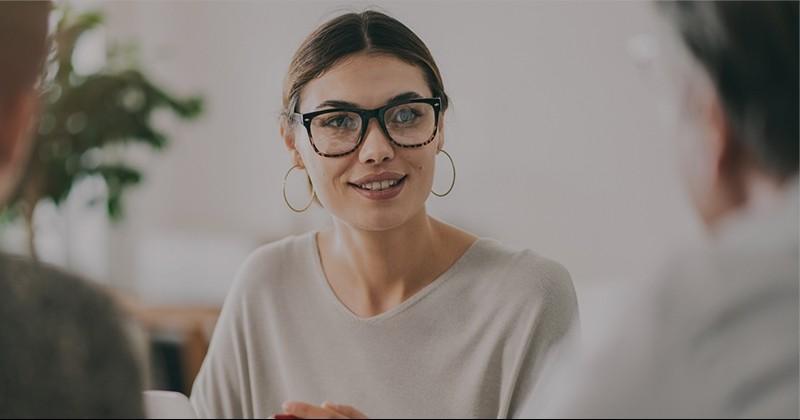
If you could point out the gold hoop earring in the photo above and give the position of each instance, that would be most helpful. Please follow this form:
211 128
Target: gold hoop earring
286 199
453 182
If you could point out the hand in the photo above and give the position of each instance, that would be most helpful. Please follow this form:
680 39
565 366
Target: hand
325 411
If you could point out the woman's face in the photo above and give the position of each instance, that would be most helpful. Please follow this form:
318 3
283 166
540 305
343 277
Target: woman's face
357 188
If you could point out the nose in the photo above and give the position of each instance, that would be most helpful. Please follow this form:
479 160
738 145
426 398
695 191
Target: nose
376 147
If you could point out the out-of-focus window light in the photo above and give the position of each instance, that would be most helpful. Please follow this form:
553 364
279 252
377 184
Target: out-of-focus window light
89 56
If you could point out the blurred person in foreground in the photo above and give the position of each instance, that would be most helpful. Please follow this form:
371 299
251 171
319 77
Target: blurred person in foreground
63 352
717 334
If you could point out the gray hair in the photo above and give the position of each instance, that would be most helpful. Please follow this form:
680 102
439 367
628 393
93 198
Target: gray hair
750 52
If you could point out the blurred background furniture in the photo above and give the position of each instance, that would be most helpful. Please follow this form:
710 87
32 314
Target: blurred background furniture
172 340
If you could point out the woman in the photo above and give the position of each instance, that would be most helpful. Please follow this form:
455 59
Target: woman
389 310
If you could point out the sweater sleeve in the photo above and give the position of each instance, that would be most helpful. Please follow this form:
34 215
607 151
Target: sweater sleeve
553 330
222 388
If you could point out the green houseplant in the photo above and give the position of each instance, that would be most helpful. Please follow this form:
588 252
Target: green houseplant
85 121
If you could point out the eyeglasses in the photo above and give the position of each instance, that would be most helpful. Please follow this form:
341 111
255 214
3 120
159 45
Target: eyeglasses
338 132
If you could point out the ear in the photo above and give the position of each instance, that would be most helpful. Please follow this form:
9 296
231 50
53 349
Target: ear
725 162
717 138
440 134
729 158
288 135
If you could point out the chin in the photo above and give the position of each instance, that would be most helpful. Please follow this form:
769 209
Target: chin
378 225
380 220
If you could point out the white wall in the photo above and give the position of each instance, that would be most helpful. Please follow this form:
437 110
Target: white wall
554 129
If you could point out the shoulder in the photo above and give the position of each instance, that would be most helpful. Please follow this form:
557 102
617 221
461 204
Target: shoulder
726 294
707 280
55 303
526 286
273 263
31 286
72 332
525 271
261 291
278 254
753 254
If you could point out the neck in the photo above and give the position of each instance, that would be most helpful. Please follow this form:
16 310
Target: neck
760 194
374 271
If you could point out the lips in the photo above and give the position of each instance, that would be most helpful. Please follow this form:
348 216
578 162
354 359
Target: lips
380 187
383 176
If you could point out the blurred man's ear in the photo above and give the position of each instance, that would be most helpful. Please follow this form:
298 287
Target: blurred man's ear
16 120
717 135
723 167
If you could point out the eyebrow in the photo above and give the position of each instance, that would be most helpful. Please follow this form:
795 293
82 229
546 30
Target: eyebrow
344 104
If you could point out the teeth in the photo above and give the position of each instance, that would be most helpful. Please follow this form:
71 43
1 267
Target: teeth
379 185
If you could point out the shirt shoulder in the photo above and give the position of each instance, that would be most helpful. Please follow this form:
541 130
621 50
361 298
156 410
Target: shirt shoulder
75 320
33 286
272 265
521 290
523 275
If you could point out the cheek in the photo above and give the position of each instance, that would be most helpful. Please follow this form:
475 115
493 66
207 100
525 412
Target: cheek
329 177
425 169
421 165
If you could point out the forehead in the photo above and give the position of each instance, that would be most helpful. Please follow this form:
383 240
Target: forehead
367 80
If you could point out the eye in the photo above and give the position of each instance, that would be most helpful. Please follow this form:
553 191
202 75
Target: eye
405 116
340 121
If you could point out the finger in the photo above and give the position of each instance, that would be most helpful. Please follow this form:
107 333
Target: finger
345 410
310 411
331 406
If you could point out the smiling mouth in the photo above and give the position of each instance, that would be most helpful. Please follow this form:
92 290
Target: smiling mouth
380 185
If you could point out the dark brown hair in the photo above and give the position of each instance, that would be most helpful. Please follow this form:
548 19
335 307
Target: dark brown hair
23 45
351 33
